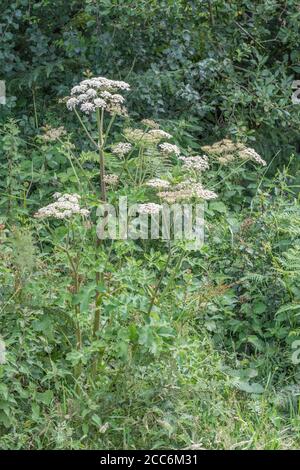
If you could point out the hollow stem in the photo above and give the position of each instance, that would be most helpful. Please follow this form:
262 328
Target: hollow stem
85 129
100 116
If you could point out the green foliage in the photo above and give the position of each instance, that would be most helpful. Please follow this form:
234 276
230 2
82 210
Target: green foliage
192 349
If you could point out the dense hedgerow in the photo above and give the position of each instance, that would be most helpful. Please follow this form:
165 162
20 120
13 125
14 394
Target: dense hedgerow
226 66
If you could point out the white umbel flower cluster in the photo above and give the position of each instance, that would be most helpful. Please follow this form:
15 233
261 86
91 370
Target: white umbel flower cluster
185 191
98 92
195 163
169 149
53 133
111 180
150 123
142 137
135 135
158 183
250 154
228 152
159 134
149 208
121 149
72 103
87 107
65 206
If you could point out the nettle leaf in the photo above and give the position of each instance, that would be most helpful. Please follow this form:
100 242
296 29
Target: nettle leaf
123 349
259 307
5 419
83 298
257 343
245 386
88 294
148 339
45 326
133 332
44 397
218 206
36 410
75 357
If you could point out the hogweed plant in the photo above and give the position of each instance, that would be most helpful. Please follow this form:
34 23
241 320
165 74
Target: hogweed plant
67 208
147 167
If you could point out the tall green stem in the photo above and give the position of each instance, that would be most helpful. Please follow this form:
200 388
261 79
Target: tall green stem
100 116
99 276
109 127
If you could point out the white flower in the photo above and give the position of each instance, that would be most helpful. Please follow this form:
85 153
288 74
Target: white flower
86 83
228 151
71 103
111 180
157 183
91 93
117 109
135 135
187 190
159 134
106 84
106 95
84 212
99 92
205 194
250 154
150 123
87 107
196 163
78 89
121 85
169 149
65 206
82 97
149 208
148 138
53 133
100 103
121 149
116 98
